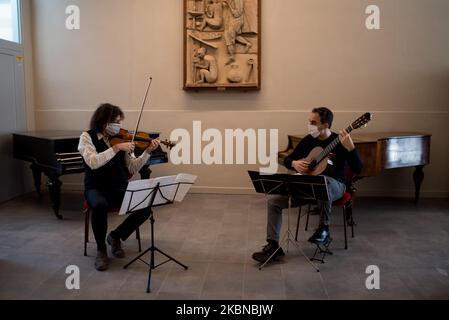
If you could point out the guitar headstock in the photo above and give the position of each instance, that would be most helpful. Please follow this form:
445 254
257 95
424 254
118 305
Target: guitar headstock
169 144
362 121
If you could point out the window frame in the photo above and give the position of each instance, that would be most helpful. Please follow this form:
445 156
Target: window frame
13 45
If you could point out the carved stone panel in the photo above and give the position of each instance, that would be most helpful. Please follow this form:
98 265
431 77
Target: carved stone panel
222 44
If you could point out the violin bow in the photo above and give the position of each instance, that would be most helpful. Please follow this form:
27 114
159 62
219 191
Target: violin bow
150 81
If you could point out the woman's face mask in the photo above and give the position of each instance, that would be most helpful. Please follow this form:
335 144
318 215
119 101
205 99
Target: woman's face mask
113 129
313 131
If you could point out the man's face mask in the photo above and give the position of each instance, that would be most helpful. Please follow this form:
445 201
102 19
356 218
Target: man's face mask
113 129
313 131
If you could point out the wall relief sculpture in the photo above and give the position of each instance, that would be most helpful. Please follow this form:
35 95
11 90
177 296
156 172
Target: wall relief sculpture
222 44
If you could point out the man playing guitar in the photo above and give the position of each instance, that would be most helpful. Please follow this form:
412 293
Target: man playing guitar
320 135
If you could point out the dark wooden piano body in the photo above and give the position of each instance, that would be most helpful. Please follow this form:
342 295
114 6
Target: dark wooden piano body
55 153
385 150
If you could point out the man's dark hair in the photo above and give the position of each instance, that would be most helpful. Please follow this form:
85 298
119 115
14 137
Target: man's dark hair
326 116
104 114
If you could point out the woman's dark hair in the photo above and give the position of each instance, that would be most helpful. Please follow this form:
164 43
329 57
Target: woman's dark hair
105 113
326 116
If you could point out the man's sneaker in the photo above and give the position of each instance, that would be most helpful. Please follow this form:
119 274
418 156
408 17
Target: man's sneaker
101 261
116 247
321 236
267 251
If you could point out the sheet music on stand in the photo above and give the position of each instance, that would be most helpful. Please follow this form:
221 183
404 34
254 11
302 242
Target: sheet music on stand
303 186
172 189
147 194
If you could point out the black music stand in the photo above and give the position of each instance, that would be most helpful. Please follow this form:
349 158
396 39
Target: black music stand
299 186
161 194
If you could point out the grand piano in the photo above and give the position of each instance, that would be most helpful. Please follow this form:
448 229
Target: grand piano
383 151
55 153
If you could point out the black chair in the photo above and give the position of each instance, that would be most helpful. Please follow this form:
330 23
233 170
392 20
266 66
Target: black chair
86 212
346 203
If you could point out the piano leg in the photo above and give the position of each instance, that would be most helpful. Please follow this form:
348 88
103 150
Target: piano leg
418 177
54 187
37 175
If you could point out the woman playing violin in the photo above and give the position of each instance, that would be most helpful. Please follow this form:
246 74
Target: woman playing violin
107 170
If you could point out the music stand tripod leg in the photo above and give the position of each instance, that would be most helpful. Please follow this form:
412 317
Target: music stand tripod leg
295 242
288 238
152 249
269 259
171 258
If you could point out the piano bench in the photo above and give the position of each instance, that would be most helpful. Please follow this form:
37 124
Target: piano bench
86 212
346 204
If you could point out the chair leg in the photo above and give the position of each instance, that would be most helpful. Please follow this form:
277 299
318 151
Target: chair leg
86 229
352 219
352 229
138 239
344 226
297 223
308 215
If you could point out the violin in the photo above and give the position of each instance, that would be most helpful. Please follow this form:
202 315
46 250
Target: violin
142 140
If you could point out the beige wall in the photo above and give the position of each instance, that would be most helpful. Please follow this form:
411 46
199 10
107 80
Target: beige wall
315 52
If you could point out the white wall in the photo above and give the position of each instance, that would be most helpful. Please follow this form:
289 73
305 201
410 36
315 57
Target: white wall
315 52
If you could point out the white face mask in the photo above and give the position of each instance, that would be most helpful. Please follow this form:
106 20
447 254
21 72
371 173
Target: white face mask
113 129
313 131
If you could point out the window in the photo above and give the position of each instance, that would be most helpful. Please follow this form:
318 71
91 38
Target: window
10 20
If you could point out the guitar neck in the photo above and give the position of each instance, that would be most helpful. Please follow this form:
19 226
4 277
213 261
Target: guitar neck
331 146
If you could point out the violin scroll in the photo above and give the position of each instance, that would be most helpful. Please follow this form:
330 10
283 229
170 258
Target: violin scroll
169 144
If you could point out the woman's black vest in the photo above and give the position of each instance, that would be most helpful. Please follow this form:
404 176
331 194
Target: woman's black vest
112 176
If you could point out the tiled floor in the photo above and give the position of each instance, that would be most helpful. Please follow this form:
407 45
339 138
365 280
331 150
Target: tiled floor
215 236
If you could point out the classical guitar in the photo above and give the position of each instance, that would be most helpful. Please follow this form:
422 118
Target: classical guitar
318 157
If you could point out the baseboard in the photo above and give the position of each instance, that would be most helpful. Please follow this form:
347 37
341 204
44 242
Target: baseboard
382 193
77 187
222 190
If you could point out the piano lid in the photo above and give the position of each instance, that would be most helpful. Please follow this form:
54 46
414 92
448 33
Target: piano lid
376 136
51 135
